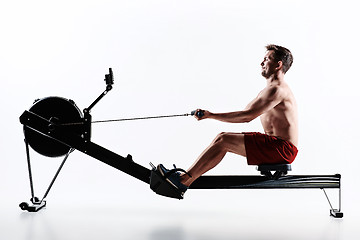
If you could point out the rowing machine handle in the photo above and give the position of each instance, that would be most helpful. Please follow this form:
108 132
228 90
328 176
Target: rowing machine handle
199 114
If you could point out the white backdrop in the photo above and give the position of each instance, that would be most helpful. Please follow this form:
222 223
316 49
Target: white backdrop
171 57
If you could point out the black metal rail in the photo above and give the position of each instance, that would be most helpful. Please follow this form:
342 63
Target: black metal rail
262 182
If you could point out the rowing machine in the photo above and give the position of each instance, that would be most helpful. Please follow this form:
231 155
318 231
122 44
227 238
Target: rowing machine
55 127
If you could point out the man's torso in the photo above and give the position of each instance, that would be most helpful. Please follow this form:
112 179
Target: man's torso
281 121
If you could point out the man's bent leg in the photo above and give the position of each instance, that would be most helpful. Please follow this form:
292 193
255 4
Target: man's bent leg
212 156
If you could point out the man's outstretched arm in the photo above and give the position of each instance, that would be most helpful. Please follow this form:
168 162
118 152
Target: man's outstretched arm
266 100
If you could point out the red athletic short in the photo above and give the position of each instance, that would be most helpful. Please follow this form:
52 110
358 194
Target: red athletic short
265 149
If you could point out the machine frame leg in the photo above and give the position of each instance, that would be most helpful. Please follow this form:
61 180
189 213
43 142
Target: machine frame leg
336 213
36 203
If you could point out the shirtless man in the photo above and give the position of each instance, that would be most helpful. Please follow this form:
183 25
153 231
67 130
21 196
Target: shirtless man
277 109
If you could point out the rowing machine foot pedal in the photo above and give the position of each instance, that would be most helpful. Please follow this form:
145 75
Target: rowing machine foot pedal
36 206
162 187
336 213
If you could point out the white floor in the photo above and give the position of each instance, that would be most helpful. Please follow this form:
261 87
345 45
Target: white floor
229 214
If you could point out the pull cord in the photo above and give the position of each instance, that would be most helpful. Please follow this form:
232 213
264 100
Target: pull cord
199 113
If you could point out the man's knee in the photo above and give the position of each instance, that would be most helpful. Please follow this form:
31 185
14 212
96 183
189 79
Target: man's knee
232 142
221 137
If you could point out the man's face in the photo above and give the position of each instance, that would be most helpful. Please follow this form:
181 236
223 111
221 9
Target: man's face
268 65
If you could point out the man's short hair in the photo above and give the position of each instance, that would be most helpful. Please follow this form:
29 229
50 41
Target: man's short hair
281 54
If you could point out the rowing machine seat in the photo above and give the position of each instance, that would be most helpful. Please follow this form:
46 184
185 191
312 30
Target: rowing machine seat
280 170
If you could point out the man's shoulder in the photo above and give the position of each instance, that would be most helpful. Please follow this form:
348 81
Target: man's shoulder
273 91
279 90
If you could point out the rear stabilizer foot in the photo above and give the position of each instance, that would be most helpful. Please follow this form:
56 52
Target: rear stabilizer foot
336 213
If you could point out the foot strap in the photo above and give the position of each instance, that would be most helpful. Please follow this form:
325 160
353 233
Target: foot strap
174 170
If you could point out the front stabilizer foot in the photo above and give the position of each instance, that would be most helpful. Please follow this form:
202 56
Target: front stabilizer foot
162 187
32 208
